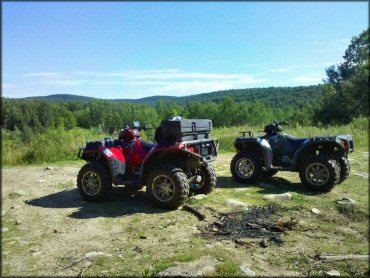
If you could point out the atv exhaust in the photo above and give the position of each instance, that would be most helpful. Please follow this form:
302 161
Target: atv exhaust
196 179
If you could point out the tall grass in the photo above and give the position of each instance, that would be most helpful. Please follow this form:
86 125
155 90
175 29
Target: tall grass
60 144
53 145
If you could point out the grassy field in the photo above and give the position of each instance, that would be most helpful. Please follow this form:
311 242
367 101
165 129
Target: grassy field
48 229
60 144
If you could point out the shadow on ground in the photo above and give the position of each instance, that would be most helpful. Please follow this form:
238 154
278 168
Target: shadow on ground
273 185
118 203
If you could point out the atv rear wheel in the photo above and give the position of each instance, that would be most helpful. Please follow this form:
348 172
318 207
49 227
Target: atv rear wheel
208 181
344 168
245 167
319 173
167 186
93 181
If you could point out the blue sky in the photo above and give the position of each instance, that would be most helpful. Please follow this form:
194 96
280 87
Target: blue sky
133 50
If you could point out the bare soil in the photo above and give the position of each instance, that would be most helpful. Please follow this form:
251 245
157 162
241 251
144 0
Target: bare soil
49 230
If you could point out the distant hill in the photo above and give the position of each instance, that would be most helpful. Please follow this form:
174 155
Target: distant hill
64 97
273 96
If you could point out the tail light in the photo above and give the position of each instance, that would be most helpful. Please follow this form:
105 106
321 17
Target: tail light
345 144
193 149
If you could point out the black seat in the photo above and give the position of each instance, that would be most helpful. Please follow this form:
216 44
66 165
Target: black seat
147 145
295 142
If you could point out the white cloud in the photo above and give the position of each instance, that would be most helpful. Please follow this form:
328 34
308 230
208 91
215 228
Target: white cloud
152 81
293 68
9 86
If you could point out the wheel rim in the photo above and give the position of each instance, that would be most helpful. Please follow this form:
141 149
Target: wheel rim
317 174
244 168
91 183
163 188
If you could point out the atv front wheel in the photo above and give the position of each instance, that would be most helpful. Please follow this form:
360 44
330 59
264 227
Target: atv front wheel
208 181
319 173
167 186
93 182
245 167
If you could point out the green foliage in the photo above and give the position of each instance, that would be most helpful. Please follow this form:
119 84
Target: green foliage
62 144
346 93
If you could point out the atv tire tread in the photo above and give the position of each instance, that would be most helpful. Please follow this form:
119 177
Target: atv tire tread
344 168
101 171
257 165
332 167
210 180
181 186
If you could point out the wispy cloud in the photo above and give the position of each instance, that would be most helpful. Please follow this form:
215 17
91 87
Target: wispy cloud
9 86
155 81
293 68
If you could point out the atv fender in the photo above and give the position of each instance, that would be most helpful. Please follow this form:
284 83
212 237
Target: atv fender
256 145
116 163
175 157
322 144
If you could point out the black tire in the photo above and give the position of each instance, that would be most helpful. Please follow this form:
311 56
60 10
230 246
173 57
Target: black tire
252 160
208 180
319 173
269 173
90 172
177 183
345 168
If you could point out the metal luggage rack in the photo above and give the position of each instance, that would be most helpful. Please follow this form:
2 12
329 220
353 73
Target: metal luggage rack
250 133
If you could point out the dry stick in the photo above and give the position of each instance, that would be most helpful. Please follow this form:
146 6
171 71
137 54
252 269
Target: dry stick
198 214
342 258
68 266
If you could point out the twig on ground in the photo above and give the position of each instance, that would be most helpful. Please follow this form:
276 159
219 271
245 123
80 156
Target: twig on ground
197 213
329 258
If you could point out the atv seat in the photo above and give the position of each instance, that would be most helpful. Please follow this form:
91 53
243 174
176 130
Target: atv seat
295 142
147 145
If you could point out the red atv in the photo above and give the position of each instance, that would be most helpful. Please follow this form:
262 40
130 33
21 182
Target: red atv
177 164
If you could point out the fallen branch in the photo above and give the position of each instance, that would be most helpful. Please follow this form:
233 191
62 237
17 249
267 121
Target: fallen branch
330 258
198 214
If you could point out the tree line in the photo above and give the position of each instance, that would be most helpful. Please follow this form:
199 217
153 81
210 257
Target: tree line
345 96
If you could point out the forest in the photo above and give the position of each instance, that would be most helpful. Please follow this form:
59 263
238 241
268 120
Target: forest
343 97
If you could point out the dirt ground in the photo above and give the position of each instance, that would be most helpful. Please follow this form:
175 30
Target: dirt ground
48 229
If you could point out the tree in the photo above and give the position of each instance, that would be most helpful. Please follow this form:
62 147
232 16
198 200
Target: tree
346 90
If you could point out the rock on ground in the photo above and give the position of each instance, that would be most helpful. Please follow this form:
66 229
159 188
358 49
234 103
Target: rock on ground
235 203
346 201
283 197
315 211
332 273
247 271
202 267
199 197
241 190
